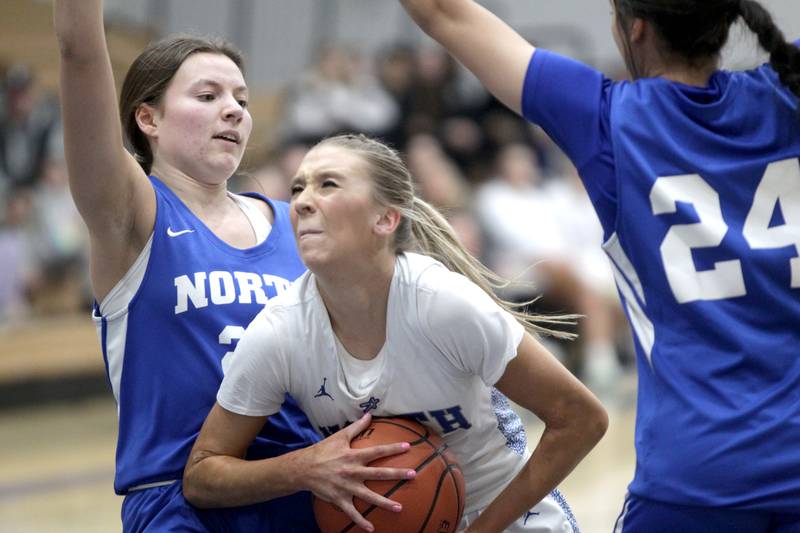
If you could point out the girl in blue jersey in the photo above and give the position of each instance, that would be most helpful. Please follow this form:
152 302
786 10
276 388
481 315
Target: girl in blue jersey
694 174
179 264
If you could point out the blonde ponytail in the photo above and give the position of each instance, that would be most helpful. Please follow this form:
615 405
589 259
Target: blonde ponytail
424 229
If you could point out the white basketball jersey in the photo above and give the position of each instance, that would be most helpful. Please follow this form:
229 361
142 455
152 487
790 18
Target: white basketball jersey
447 343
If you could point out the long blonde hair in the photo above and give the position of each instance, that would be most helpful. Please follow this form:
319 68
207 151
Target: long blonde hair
424 229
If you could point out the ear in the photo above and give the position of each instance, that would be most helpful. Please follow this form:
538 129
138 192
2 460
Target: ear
147 118
387 221
638 28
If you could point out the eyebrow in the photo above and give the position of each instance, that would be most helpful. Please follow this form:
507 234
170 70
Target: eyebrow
214 83
319 175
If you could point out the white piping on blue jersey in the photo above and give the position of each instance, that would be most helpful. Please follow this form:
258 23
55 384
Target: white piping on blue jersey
111 315
113 335
618 256
509 423
626 277
619 525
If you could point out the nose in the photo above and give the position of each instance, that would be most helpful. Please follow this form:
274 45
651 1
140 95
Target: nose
233 111
303 202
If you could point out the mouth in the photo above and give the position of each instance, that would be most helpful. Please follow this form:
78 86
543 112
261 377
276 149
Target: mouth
307 232
228 136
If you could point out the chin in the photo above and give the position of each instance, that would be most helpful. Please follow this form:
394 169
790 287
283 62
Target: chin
314 260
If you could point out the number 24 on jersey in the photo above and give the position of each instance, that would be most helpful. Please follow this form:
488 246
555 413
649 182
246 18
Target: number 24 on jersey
780 185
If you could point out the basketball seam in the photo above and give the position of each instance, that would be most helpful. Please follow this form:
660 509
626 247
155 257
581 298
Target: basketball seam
436 453
442 477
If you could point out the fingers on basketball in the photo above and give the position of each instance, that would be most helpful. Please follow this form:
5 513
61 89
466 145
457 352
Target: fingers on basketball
433 501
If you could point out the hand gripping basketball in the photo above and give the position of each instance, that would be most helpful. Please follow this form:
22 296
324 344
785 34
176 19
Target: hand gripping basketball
335 472
432 501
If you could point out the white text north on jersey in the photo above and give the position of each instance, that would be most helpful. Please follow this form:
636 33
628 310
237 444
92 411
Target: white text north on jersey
220 287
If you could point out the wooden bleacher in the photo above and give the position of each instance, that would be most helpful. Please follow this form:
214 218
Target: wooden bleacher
49 348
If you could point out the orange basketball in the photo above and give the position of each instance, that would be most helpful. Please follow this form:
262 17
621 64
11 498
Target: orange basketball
432 502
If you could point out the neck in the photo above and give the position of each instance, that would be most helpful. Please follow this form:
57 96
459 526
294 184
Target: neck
198 196
696 77
356 297
656 63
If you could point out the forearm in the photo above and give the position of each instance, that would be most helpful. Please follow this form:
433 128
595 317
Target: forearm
560 449
426 13
225 481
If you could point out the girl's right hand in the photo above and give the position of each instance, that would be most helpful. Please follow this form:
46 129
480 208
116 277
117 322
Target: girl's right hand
336 473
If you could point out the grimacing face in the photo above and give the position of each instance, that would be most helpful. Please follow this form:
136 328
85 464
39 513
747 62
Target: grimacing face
333 210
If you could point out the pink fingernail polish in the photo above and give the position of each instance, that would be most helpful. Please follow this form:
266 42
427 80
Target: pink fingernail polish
411 474
397 508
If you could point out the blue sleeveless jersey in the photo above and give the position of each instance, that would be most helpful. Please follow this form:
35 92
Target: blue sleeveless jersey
698 192
164 355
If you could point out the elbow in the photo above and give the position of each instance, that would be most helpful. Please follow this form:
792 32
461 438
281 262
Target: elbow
194 490
594 422
598 424
191 491
69 49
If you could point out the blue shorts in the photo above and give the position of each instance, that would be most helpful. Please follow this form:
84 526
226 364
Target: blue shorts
640 515
163 509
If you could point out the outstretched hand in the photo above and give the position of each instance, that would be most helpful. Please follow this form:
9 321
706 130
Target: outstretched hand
336 472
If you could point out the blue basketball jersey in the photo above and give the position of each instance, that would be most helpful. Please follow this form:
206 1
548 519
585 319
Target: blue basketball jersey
166 350
698 192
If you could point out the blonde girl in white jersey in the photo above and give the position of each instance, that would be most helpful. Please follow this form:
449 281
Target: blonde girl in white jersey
382 330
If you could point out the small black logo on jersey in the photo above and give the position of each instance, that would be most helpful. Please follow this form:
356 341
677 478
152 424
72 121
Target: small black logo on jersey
528 514
322 392
370 405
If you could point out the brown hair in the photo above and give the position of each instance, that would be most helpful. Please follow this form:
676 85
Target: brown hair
150 75
696 30
424 229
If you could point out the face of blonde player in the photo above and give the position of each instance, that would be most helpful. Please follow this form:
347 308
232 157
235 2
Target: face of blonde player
333 212
202 123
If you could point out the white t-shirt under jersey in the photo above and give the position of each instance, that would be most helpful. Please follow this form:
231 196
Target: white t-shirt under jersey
447 343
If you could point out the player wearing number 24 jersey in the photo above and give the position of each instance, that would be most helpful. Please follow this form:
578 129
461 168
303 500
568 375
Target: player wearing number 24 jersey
695 176
703 235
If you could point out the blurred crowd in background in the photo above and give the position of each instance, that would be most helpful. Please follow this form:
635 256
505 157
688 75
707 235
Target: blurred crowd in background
514 199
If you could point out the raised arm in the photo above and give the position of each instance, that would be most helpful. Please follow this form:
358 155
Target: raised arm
109 187
574 422
483 43
216 474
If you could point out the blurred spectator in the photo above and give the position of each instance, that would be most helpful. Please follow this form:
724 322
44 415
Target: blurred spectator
29 129
519 219
396 71
338 94
523 219
606 331
438 179
61 244
17 263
